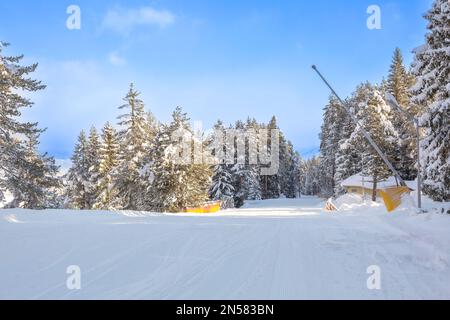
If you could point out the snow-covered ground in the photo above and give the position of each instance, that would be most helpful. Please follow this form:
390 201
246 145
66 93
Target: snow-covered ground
279 249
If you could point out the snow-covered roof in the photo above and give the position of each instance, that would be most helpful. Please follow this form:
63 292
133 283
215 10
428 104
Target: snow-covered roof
358 180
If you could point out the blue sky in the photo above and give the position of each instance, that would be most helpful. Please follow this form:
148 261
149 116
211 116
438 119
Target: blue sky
217 58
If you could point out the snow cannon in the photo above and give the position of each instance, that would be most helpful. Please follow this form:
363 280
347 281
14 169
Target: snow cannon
209 207
392 197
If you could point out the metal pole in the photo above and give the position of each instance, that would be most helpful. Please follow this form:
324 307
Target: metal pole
365 133
393 102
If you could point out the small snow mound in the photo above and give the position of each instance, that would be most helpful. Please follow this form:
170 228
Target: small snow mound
11 218
407 205
351 201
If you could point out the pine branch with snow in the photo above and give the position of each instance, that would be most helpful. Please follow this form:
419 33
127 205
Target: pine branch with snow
432 93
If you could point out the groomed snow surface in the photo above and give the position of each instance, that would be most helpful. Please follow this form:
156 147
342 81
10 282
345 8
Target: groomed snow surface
278 249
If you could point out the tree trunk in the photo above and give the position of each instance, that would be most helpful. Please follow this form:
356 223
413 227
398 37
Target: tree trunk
374 190
265 191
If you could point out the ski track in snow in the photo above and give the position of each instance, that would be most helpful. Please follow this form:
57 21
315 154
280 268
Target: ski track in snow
276 249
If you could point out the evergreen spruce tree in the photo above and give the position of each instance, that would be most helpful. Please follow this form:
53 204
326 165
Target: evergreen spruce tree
198 182
77 178
271 188
250 187
302 176
251 177
162 167
238 166
178 183
222 186
19 158
311 182
432 94
399 80
83 177
398 84
288 172
152 127
130 183
374 117
222 181
330 137
284 162
349 154
35 182
93 159
108 161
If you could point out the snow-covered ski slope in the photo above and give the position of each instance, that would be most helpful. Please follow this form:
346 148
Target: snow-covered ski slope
280 249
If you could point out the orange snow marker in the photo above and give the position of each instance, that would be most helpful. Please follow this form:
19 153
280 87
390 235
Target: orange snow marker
330 206
209 207
392 197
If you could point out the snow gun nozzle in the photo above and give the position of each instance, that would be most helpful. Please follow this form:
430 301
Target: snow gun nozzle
314 67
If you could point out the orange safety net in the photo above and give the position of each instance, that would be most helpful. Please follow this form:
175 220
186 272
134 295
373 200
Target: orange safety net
392 197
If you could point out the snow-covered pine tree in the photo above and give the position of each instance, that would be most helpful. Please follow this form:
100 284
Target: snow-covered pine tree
432 93
374 117
222 181
151 130
108 161
250 183
288 170
271 188
399 79
299 174
348 157
283 171
222 186
130 184
152 127
246 184
251 177
302 176
177 184
198 182
398 84
77 178
246 181
238 166
348 163
93 159
311 182
35 182
160 167
294 180
330 137
240 194
18 140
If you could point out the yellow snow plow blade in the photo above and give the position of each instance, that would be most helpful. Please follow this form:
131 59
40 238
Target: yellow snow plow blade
211 207
392 197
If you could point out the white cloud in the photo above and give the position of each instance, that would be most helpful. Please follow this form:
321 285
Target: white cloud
123 21
115 59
